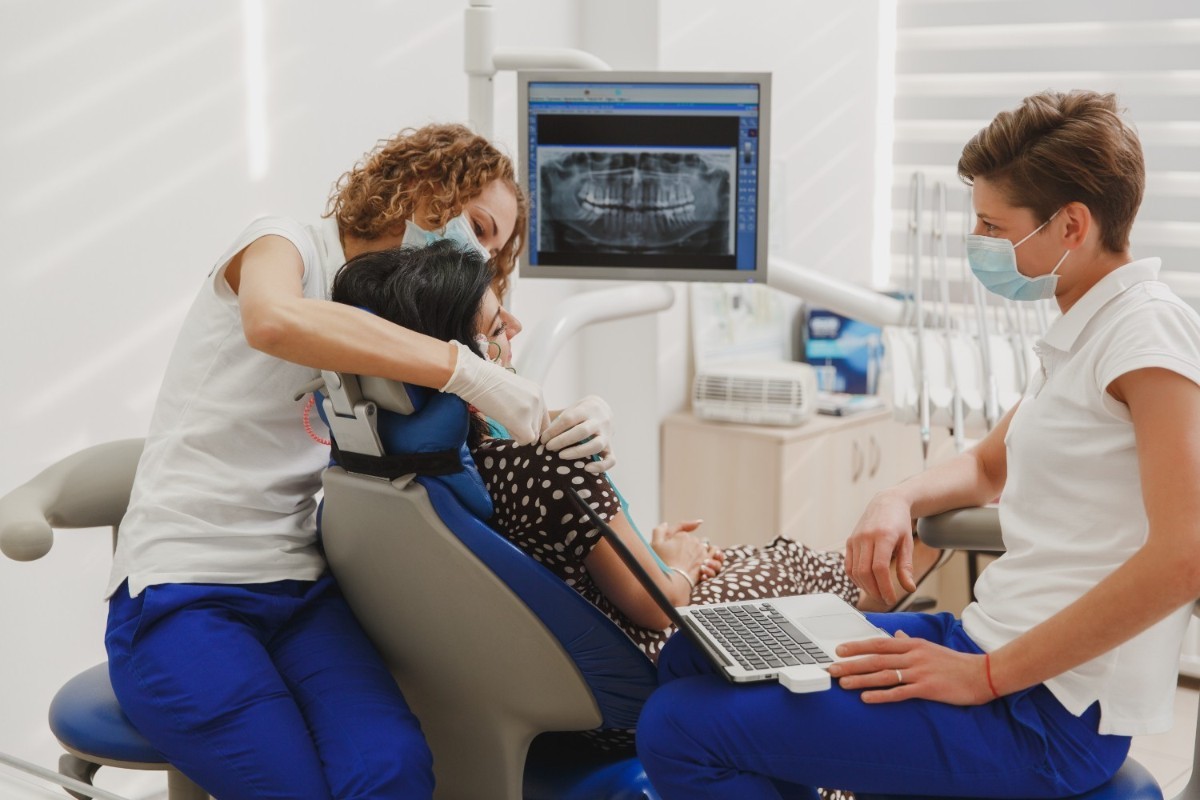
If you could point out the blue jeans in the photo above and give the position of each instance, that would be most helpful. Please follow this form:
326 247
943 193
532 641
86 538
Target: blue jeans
702 737
265 691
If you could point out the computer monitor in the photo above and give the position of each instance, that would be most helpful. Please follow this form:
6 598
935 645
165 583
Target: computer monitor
645 175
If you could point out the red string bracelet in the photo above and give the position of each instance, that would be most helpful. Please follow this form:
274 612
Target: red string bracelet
987 665
312 400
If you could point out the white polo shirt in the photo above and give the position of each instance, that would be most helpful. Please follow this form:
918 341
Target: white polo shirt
1071 511
226 487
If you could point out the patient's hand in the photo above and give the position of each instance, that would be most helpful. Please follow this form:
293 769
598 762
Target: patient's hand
714 561
677 547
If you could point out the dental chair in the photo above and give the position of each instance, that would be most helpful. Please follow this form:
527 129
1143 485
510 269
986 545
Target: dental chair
977 530
492 651
89 489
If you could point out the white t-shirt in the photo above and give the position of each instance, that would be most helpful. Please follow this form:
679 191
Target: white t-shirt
226 487
1071 511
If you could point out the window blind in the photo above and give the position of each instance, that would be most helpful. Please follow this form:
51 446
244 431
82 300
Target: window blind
959 62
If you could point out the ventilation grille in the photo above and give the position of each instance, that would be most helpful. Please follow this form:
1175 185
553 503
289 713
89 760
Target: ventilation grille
748 398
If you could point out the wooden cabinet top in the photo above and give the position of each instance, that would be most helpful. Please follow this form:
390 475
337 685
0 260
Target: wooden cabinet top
817 425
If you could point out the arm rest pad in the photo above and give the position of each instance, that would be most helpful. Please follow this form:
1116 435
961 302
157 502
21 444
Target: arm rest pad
963 529
88 489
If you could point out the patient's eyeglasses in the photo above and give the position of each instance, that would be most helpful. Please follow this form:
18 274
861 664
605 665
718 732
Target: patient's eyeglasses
491 350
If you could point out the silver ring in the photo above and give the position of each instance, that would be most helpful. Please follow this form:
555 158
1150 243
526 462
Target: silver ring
899 677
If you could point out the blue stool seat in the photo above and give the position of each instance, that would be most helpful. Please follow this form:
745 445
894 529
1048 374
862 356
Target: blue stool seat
561 767
1132 782
86 717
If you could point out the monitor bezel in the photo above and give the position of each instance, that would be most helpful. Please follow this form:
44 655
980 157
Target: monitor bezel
757 275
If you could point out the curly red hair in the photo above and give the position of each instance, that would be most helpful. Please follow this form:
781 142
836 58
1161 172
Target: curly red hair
433 171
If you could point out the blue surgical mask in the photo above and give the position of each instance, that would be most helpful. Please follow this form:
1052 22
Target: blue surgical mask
994 262
457 230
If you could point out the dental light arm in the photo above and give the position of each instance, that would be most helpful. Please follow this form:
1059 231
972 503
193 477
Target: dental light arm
482 60
845 298
577 312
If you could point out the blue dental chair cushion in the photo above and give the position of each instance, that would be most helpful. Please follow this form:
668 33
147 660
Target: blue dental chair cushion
85 716
439 423
558 769
620 676
618 673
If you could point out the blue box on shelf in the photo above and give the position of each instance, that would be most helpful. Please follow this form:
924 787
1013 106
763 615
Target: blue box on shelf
845 352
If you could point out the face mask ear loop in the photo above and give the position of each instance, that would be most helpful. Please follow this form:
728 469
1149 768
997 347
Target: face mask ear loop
1035 230
1060 261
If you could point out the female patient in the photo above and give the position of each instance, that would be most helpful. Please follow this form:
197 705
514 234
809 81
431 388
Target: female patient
447 293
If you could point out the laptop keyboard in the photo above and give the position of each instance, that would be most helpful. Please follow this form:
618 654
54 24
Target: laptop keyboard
759 637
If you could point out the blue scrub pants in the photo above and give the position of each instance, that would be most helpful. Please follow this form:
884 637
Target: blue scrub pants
702 737
265 691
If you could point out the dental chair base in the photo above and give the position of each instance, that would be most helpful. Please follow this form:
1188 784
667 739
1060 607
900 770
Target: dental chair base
558 768
87 721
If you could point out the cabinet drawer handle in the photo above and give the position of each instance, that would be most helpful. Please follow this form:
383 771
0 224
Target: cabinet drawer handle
876 456
856 462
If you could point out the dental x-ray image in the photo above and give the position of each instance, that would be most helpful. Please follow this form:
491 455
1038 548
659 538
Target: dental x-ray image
642 202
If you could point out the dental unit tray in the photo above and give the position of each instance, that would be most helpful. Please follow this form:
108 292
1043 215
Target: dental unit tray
757 393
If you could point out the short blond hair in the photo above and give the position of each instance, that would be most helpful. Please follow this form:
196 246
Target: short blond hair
1056 148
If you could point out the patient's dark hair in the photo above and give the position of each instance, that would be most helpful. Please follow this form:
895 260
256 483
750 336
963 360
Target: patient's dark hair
436 290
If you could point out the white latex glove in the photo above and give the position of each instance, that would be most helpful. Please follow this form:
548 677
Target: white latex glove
589 417
513 401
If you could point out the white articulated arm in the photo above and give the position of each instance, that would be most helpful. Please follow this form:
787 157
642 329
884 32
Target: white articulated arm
845 298
482 60
581 310
88 489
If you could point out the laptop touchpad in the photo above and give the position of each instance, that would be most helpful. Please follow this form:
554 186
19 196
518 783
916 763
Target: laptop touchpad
842 627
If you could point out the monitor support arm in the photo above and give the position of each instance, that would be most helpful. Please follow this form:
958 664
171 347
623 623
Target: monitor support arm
482 60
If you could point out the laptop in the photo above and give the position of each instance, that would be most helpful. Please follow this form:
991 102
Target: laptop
787 639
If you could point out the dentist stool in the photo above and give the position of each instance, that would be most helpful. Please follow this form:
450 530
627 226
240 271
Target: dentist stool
89 489
489 647
978 530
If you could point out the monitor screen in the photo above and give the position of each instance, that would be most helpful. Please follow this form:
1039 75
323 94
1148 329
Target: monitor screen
648 175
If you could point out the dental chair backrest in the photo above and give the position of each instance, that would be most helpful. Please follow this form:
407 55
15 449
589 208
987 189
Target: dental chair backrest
489 647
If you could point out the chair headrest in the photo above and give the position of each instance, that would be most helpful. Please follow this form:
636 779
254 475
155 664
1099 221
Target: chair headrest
434 422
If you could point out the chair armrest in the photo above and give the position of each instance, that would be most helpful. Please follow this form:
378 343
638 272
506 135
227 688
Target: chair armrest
88 489
963 529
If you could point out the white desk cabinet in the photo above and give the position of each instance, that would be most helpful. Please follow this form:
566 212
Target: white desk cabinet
810 482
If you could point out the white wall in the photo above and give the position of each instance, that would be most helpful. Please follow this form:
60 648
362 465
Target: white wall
125 172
